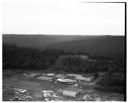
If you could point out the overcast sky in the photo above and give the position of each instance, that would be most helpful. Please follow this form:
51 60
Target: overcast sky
62 17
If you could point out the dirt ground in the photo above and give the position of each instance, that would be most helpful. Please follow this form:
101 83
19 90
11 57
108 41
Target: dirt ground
34 88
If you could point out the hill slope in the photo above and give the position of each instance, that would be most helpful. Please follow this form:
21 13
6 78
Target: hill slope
109 46
36 40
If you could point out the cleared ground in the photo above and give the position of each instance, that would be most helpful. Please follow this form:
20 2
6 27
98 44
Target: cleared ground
14 79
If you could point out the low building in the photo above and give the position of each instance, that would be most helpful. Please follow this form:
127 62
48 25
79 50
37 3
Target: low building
75 75
45 78
87 79
50 74
71 91
59 75
66 80
69 77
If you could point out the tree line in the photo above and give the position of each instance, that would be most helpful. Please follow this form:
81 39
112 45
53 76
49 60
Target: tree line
56 59
27 58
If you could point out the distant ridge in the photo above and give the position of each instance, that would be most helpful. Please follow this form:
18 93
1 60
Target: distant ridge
109 46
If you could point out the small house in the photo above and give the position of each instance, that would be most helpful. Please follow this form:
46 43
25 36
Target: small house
71 91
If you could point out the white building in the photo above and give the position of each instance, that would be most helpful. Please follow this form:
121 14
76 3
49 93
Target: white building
66 80
85 97
50 74
71 91
88 79
75 75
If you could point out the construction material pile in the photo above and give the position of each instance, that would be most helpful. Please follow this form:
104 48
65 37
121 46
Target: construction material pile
21 95
49 95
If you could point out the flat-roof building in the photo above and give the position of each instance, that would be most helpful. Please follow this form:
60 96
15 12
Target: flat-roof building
66 80
71 91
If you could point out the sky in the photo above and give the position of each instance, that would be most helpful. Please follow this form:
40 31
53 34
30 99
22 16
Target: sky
67 17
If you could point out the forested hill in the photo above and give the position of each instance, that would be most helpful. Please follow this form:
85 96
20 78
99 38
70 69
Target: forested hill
36 41
107 46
